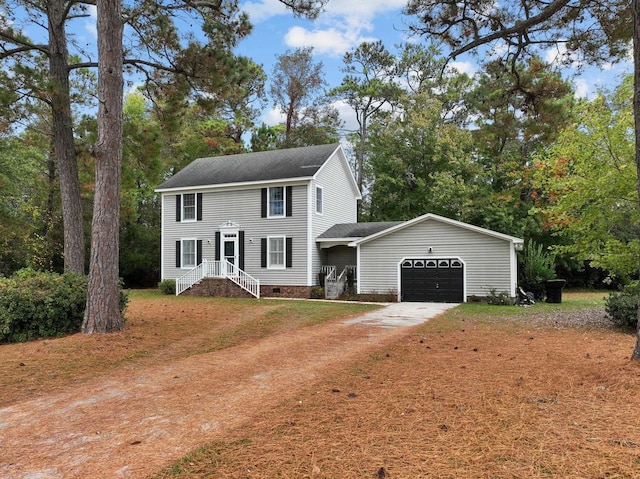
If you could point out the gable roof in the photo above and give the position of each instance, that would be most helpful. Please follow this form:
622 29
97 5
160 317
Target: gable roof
263 166
442 219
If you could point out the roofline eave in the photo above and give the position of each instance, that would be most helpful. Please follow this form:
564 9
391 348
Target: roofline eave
302 179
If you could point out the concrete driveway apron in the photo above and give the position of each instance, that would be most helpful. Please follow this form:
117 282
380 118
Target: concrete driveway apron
402 314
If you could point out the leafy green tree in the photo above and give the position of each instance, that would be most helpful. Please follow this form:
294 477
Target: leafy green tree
265 138
586 185
142 169
420 163
320 126
424 70
368 87
20 183
516 113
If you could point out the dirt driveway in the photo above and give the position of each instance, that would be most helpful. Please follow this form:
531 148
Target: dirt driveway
141 420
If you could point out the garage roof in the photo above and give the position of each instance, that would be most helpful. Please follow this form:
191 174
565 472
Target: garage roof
346 233
357 230
518 242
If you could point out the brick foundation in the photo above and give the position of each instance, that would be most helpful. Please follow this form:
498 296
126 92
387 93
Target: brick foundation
224 288
275 291
218 287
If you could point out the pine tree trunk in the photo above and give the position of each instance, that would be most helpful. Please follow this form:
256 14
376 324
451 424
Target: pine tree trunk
63 141
636 115
103 313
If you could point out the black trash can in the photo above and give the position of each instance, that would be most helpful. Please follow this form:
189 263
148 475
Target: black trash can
554 290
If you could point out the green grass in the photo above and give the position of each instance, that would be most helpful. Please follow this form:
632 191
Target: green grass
570 301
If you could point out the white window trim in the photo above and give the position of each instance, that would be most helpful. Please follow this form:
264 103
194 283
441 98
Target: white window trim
195 208
284 202
182 252
321 212
284 252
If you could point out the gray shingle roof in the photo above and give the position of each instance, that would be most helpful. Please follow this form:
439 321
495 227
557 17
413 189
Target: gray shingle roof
357 230
252 167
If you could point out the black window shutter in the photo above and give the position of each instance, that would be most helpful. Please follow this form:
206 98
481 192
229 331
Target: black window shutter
216 245
264 202
263 252
178 208
289 200
199 206
178 258
289 252
241 249
198 252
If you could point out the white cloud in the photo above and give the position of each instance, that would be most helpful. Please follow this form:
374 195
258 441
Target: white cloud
347 115
559 55
342 26
582 88
464 67
362 9
91 24
332 42
263 10
273 117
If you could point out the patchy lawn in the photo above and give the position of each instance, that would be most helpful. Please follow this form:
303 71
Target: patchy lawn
479 392
159 330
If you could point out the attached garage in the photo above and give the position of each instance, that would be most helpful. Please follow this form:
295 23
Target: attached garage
432 280
436 259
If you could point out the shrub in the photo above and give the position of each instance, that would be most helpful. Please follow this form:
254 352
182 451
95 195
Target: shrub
317 292
622 306
536 267
501 299
167 286
40 305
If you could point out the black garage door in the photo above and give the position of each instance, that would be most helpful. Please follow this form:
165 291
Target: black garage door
432 280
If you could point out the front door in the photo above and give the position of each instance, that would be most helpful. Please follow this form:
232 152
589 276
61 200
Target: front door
230 247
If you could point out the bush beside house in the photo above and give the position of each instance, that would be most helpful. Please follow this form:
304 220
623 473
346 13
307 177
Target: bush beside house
40 305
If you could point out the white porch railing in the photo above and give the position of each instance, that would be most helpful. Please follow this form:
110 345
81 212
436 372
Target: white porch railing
334 287
328 272
218 269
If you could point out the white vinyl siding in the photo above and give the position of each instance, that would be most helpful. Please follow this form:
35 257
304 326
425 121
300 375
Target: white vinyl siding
339 204
488 260
243 207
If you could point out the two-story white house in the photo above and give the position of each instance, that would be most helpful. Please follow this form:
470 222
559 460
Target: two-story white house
273 221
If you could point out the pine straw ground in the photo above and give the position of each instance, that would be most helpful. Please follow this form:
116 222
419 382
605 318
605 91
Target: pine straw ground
480 392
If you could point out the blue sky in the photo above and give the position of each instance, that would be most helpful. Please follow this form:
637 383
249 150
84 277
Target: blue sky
347 23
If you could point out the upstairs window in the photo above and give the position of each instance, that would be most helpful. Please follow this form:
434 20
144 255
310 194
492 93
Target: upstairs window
276 201
189 207
319 200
